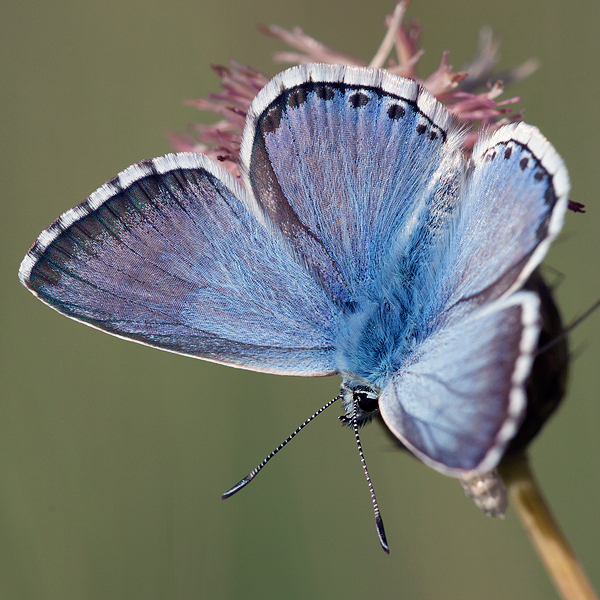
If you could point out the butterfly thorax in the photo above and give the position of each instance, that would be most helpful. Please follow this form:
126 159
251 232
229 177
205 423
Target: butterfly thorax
377 339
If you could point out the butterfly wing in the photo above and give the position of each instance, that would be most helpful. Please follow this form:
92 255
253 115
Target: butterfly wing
167 254
340 159
513 206
459 400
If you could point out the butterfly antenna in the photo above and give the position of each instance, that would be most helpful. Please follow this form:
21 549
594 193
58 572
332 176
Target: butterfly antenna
569 328
244 482
378 519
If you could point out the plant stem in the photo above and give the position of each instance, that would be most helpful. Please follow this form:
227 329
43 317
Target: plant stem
547 538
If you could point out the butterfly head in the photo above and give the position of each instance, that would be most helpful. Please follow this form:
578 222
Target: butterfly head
360 399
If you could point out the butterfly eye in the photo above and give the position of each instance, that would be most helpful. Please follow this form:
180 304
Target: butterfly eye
366 402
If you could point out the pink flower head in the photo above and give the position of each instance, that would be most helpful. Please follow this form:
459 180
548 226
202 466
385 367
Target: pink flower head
472 95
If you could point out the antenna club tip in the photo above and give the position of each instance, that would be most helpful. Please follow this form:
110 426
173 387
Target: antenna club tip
381 533
237 487
383 541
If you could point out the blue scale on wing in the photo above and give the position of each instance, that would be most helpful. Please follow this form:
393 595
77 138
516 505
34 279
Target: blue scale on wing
503 231
344 172
458 400
175 260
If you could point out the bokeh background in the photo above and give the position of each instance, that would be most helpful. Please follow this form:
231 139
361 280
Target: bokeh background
113 455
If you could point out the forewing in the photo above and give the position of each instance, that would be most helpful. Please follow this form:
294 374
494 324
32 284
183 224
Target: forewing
342 160
168 255
512 208
459 399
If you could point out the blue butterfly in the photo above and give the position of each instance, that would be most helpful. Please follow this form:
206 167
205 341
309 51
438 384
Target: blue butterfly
360 241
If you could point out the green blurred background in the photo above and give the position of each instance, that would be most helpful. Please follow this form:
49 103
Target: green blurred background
113 455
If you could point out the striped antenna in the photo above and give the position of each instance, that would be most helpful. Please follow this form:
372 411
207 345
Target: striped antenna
378 519
244 482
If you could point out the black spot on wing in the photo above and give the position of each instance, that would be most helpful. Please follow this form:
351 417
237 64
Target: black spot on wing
324 91
396 111
550 195
297 97
271 118
540 174
359 99
542 230
358 95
